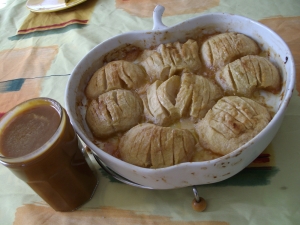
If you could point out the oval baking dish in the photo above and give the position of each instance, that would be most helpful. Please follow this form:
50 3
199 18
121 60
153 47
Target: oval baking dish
190 173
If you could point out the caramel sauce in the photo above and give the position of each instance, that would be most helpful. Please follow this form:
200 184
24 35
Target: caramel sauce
29 130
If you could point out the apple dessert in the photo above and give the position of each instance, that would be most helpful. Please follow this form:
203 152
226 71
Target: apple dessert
181 102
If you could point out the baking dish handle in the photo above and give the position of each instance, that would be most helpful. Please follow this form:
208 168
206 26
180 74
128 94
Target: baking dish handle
157 16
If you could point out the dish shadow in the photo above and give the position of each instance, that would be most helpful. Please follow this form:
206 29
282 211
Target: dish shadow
247 177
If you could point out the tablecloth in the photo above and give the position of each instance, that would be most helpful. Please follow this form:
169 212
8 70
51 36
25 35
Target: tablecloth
40 64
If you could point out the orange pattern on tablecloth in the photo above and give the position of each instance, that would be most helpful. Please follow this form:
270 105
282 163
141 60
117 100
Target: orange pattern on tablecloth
17 68
31 88
34 214
289 29
26 62
172 7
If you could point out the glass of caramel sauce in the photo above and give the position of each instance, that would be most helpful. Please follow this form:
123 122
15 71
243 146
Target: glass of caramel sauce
39 145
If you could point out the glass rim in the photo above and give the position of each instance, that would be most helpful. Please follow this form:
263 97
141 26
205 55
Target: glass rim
6 118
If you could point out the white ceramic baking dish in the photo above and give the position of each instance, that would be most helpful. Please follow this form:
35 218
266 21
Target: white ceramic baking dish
191 173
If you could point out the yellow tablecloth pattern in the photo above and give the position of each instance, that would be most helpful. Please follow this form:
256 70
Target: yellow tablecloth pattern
40 63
